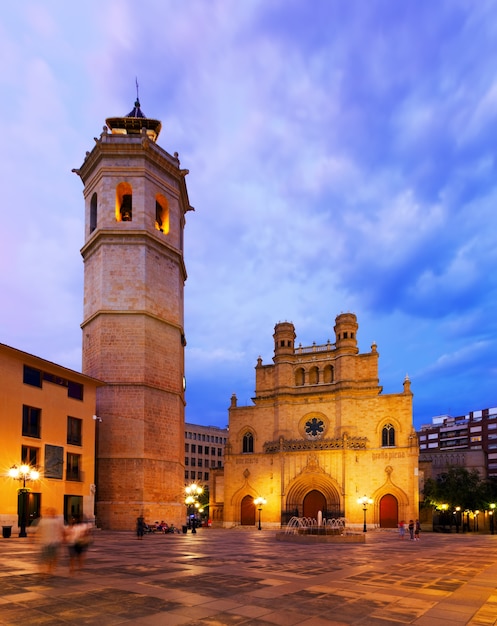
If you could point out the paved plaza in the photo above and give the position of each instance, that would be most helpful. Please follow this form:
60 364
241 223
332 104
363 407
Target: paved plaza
226 577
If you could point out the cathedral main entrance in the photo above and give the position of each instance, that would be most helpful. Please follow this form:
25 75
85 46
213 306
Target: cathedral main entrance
314 501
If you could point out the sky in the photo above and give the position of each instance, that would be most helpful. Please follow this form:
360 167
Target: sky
341 157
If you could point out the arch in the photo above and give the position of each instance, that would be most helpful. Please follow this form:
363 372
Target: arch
124 202
93 212
308 482
248 443
389 511
313 376
328 374
161 213
313 502
388 436
247 511
299 377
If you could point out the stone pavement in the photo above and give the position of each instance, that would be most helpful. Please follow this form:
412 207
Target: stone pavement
225 577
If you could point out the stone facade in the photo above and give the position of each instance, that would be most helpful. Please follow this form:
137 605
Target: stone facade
319 436
133 335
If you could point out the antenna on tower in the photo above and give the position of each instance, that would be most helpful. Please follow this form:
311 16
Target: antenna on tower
137 96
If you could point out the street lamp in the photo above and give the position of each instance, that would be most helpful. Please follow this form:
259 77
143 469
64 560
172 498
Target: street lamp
259 503
491 513
193 492
24 473
365 501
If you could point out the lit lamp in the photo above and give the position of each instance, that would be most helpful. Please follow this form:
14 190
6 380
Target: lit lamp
491 513
259 503
364 501
24 473
457 513
193 492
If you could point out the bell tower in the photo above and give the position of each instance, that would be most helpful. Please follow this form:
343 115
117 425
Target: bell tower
133 336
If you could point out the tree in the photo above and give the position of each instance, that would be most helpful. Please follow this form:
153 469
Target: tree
456 487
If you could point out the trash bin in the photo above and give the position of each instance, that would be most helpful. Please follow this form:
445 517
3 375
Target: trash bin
185 529
6 531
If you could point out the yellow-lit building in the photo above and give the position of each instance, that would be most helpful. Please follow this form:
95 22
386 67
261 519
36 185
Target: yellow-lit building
319 436
47 423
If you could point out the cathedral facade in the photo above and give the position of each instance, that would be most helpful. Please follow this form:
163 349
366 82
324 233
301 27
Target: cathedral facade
319 437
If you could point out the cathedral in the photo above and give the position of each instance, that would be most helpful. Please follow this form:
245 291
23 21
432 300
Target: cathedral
319 439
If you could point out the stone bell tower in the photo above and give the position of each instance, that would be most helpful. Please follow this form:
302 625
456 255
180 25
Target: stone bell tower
133 336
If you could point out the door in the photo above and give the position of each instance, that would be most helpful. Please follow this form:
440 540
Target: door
314 501
389 511
247 513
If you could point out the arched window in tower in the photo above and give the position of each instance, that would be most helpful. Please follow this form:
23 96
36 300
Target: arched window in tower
93 212
328 374
248 443
388 436
124 202
313 376
299 377
161 213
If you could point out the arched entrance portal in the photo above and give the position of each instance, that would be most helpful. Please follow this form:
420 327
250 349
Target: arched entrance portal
389 511
314 501
247 511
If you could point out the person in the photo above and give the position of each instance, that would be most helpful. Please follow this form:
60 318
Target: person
78 539
417 528
402 529
140 527
411 529
50 534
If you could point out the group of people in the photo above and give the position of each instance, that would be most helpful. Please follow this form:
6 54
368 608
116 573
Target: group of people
142 527
414 528
51 533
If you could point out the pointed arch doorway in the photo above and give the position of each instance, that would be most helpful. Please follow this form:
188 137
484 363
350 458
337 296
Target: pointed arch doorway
389 511
247 511
314 501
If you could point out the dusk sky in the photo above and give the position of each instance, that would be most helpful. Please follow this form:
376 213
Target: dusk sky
342 157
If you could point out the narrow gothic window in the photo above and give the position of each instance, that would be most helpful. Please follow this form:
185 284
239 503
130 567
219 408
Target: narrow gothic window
388 436
93 213
248 443
124 202
161 214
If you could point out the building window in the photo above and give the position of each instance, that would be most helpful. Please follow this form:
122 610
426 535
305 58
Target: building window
93 213
31 421
248 444
199 462
75 390
194 448
314 376
73 466
187 447
186 474
161 214
187 461
206 477
124 202
192 475
213 451
31 376
200 449
30 456
74 430
328 374
220 451
193 462
388 436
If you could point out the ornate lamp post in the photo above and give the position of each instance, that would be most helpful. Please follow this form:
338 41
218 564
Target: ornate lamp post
491 513
364 501
24 473
193 492
259 503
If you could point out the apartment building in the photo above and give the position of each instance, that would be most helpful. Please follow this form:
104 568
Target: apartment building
468 440
204 450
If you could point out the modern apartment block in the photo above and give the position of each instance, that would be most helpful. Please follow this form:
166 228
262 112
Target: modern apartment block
204 450
468 440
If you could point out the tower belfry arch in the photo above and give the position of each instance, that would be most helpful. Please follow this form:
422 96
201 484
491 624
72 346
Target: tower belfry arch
133 328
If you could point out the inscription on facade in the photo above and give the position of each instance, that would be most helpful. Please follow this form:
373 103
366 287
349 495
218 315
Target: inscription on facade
391 454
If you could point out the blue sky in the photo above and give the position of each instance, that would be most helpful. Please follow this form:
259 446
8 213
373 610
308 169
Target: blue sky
341 157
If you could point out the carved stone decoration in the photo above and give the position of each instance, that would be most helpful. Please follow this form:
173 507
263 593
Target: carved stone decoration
246 474
312 466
